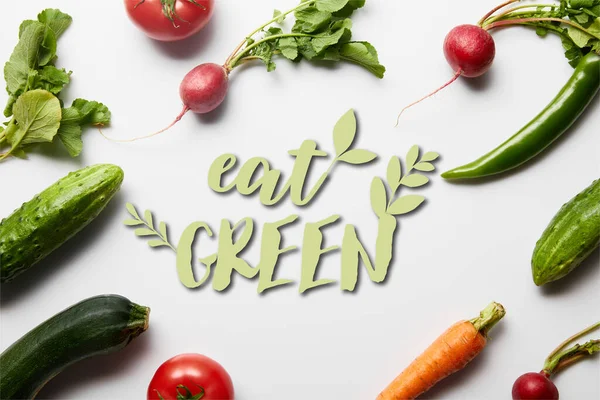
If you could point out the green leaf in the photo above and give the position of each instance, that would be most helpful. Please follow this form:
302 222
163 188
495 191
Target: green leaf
430 156
412 156
56 20
149 219
415 180
144 232
344 132
132 222
51 79
69 132
162 228
47 50
363 54
131 208
424 167
288 48
92 112
406 204
394 173
23 58
156 243
339 32
279 15
38 115
331 5
309 20
378 196
357 157
349 9
579 37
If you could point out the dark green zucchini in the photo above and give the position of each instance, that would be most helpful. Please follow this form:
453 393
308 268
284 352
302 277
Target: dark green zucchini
98 325
573 234
43 224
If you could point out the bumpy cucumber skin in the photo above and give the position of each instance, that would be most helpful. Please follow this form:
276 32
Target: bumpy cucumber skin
99 325
571 237
43 224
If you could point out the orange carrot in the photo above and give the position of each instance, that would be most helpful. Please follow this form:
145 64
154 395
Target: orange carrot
451 352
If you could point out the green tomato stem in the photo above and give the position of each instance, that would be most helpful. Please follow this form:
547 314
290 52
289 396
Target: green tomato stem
282 15
489 317
234 62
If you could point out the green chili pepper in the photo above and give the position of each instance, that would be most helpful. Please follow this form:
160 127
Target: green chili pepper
544 129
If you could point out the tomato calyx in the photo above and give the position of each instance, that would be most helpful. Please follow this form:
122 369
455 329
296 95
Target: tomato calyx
168 8
187 393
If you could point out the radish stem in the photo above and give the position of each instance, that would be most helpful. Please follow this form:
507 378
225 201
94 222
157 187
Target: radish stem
282 15
233 63
497 17
486 16
524 21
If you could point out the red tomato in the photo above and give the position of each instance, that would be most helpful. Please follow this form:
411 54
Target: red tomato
173 20
194 372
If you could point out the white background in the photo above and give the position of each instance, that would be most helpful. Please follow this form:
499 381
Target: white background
469 245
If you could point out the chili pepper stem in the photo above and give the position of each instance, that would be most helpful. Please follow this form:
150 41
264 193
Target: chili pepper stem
451 81
489 317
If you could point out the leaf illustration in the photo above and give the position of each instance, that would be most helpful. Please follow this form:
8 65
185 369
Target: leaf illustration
132 210
156 243
394 173
425 167
412 156
415 180
344 133
378 196
144 232
430 156
357 156
133 222
162 228
148 217
406 204
149 230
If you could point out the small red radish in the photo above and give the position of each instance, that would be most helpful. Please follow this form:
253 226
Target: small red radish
534 385
470 50
537 385
204 88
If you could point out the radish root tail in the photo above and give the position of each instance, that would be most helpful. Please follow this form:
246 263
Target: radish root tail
181 114
451 81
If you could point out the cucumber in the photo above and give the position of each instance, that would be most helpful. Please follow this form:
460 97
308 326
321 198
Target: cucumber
54 216
99 325
571 237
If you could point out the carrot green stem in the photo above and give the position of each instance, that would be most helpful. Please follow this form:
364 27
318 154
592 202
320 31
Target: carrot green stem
486 16
282 15
488 318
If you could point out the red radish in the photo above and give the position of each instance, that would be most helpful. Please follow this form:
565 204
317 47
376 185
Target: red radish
470 50
204 88
538 386
534 385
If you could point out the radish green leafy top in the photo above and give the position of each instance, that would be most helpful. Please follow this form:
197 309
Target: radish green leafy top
33 83
576 22
322 31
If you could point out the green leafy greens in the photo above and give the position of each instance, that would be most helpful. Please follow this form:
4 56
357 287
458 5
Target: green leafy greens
576 22
322 31
33 83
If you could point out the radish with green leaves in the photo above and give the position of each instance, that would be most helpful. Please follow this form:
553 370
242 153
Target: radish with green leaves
322 31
